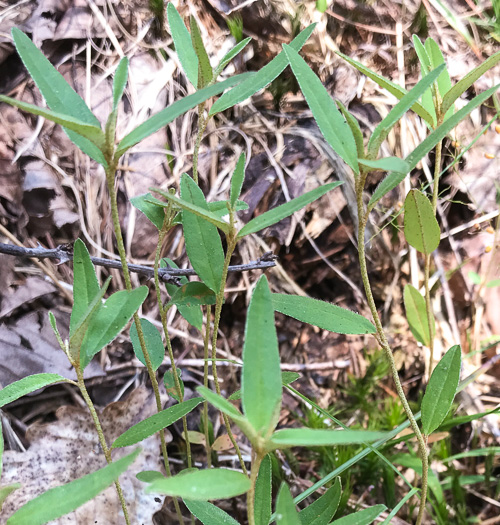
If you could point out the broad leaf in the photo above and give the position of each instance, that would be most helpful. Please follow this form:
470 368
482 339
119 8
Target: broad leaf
261 389
155 423
416 314
60 96
311 437
205 73
178 108
152 211
120 81
26 385
322 314
209 514
263 492
230 55
183 46
193 293
324 508
64 499
203 485
262 78
420 225
386 164
441 390
203 243
237 180
362 517
154 343
85 285
277 214
330 121
110 320
286 512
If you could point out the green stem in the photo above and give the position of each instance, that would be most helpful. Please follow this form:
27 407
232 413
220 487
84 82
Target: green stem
163 317
206 344
102 439
428 309
110 179
254 472
362 221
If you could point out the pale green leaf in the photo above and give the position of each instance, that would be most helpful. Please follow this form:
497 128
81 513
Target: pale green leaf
362 517
230 55
209 514
153 212
154 343
312 437
386 164
286 512
221 404
323 509
263 492
416 314
7 490
27 385
421 228
120 81
147 476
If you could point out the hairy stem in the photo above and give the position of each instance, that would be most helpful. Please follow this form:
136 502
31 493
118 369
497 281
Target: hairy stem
206 344
102 439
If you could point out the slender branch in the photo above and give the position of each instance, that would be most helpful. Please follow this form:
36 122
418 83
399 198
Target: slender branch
64 253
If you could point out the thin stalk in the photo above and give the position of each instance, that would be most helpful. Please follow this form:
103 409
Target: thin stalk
163 317
206 344
382 339
254 472
110 179
102 439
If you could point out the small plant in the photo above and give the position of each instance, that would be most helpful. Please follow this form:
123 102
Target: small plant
95 322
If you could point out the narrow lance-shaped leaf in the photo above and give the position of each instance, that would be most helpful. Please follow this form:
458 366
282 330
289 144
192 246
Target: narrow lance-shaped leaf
386 185
155 423
230 55
154 343
311 437
60 96
221 404
120 81
203 243
27 385
362 517
286 512
203 485
437 59
330 121
324 508
261 389
420 225
209 514
205 73
153 212
183 45
441 390
277 214
416 314
237 180
322 314
425 67
355 129
64 499
178 108
263 492
262 78
386 164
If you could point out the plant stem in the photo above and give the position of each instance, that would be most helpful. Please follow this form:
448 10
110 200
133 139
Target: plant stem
254 472
102 439
206 343
163 317
110 179
362 220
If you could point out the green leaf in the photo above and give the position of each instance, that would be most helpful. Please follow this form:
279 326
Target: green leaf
286 379
169 382
355 129
92 133
439 133
153 212
60 96
6 491
170 113
203 243
263 492
393 88
85 285
386 164
64 499
222 404
286 512
120 81
192 314
416 314
230 55
153 424
220 208
277 214
493 284
362 517
147 476
183 45
330 121
192 294
26 385
261 389
420 225
474 277
382 130
154 343
203 485
209 514
312 437
423 57
322 314
386 185
110 320
205 73
324 508
262 78
466 82
437 59
321 5
441 390
237 180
